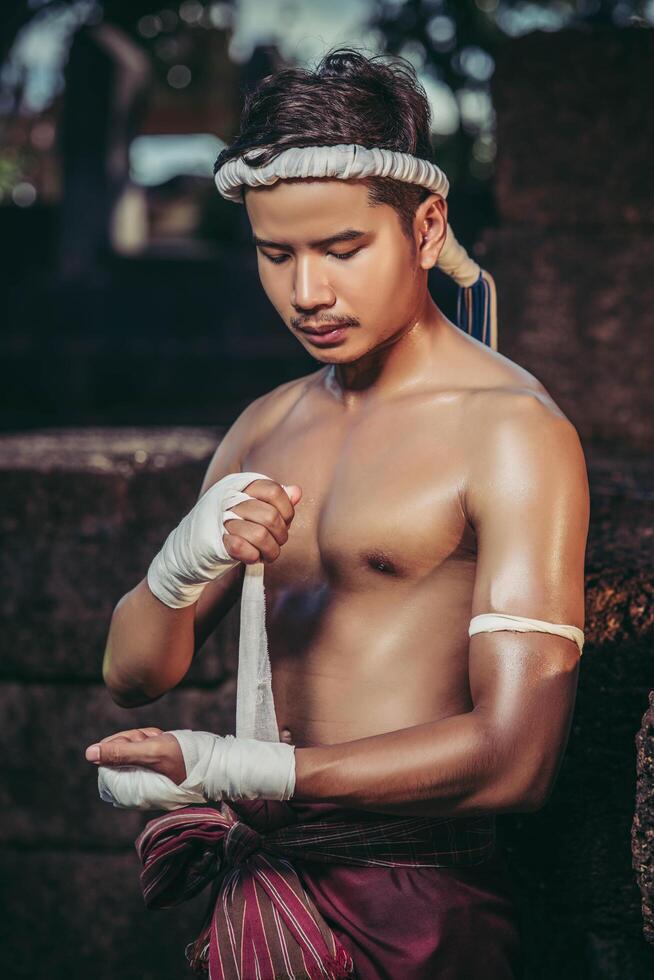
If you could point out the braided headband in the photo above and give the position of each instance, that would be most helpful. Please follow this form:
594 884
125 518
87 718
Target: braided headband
476 307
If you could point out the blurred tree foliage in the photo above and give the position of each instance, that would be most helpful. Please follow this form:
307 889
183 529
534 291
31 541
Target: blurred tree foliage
456 43
453 43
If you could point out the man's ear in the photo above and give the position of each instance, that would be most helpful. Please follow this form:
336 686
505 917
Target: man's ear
430 228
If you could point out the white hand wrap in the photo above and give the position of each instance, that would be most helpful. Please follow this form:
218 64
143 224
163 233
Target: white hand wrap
217 768
194 554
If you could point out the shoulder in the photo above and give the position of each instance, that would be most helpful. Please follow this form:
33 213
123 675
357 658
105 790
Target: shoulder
254 422
522 445
267 411
502 397
514 414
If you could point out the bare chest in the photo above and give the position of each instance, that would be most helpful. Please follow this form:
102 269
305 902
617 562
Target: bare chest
380 497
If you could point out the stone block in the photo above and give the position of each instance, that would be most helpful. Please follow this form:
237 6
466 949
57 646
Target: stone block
642 831
574 310
84 513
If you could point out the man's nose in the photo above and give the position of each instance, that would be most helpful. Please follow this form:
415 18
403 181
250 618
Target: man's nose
311 288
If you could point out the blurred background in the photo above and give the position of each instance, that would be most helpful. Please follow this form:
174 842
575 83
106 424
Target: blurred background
134 329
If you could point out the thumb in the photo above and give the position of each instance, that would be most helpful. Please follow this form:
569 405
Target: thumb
294 492
118 752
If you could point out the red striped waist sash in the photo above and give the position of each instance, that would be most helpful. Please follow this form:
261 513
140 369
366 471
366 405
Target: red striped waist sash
261 924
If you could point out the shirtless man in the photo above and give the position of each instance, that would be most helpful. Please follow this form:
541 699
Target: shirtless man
428 480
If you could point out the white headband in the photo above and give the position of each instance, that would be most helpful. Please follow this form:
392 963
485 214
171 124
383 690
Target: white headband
349 161
344 161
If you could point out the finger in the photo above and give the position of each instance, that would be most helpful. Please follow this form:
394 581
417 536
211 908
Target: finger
295 493
260 512
272 493
123 752
135 734
93 753
259 538
239 549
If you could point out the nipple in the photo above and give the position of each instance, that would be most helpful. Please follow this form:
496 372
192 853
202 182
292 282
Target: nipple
285 736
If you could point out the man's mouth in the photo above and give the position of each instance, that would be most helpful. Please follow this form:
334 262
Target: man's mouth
323 328
325 334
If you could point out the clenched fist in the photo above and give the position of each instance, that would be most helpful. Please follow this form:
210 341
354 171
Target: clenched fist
202 547
263 530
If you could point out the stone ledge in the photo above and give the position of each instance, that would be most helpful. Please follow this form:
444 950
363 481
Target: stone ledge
124 450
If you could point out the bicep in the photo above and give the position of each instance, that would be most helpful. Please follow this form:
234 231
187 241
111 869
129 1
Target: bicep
529 506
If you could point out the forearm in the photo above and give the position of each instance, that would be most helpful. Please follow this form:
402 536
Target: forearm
455 766
149 647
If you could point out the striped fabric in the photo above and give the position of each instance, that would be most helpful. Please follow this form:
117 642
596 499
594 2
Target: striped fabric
476 309
261 924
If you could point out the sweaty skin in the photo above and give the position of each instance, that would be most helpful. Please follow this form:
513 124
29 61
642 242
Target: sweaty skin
438 480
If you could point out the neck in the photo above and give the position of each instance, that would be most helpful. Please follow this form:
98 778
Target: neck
403 362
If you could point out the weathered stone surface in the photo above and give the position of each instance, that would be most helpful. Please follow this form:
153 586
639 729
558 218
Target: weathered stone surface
84 512
575 131
48 791
642 831
622 513
76 916
574 309
126 450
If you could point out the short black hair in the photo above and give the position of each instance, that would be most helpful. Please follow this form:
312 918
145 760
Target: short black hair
348 98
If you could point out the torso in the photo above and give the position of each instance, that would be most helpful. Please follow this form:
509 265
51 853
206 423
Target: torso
369 602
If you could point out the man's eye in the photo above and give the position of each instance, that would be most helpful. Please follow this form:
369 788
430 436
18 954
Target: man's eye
279 259
344 255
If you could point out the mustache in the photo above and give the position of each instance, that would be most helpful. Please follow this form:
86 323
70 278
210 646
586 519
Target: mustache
345 321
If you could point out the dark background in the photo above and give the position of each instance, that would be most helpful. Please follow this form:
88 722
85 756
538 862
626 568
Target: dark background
134 329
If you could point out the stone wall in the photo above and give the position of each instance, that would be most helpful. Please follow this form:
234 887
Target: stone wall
83 514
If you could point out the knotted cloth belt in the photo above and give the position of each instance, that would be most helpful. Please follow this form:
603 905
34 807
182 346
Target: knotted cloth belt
261 922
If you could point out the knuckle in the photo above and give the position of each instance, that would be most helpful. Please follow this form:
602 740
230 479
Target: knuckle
112 753
272 553
278 521
234 546
259 534
241 550
261 489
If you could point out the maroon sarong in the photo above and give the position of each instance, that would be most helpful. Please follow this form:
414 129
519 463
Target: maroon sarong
275 910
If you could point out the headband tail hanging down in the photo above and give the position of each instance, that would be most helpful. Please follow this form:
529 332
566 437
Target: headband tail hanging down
476 309
477 299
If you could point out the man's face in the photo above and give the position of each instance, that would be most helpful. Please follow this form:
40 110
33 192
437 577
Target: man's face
329 261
